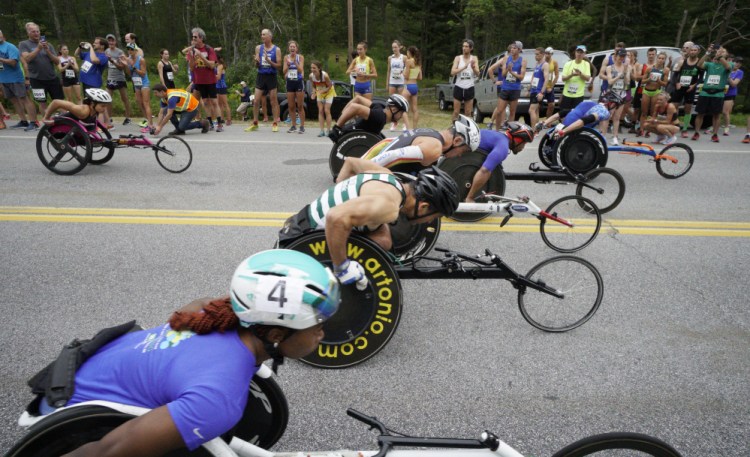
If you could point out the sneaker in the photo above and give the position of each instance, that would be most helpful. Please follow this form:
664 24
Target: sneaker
275 127
393 126
219 128
715 138
684 134
726 131
6 117
229 122
210 125
659 138
747 138
403 129
669 140
143 123
126 121
176 132
696 136
20 125
322 133
204 126
614 141
489 125
253 127
302 129
145 129
707 131
647 135
292 129
31 127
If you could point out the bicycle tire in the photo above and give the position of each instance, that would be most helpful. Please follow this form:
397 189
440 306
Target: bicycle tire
685 158
647 445
366 320
352 144
102 149
582 213
547 157
581 285
63 148
173 154
462 170
607 180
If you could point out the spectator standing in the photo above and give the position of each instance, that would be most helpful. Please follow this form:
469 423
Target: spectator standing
617 77
141 83
395 73
268 61
413 72
41 60
69 70
116 80
514 70
93 63
538 92
202 60
576 73
734 80
324 93
221 93
654 81
244 100
131 38
13 82
606 63
364 69
554 75
711 96
465 69
294 74
685 83
167 69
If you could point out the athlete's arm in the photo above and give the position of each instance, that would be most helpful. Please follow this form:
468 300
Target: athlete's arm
374 73
57 105
354 166
152 434
455 70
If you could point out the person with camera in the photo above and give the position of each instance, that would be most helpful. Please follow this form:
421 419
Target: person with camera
116 80
93 63
12 82
68 67
711 97
576 73
41 59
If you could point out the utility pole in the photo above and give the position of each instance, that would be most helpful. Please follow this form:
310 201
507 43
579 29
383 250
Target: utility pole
350 18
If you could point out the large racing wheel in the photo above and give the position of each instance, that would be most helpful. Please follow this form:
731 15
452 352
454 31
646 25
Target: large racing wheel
366 320
64 147
351 144
462 170
582 150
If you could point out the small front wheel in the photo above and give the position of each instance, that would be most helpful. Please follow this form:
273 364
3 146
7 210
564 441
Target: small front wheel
642 445
604 186
570 223
675 160
579 285
173 154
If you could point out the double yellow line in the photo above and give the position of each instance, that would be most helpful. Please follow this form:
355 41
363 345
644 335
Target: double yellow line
276 219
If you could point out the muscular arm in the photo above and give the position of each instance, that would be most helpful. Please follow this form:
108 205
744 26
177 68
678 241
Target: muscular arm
354 166
455 70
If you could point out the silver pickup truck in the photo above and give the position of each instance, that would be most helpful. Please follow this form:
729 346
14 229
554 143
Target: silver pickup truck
485 98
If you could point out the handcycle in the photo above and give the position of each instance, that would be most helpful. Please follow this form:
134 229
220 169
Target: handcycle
672 161
67 145
109 416
557 295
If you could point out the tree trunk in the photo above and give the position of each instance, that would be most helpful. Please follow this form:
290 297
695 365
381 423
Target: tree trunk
116 23
605 19
692 29
58 29
678 38
731 8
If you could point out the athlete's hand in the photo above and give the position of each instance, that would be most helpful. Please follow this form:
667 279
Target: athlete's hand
351 272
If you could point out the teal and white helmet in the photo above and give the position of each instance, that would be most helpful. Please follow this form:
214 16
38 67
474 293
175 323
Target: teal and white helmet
284 288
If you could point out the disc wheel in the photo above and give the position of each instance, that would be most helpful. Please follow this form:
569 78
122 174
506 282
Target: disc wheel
366 320
266 414
412 240
173 154
102 147
580 285
64 148
547 154
352 144
462 170
616 444
678 162
582 151
570 224
608 188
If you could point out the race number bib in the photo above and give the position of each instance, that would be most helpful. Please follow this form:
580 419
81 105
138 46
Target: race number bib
278 294
170 76
292 73
509 77
362 69
534 82
398 73
265 62
573 88
39 94
70 74
654 77
713 80
619 85
86 66
137 81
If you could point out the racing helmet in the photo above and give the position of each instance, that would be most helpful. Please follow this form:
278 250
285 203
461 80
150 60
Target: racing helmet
284 288
437 188
98 95
612 99
519 133
467 129
399 102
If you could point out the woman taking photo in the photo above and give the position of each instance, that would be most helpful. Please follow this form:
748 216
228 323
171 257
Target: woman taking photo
413 72
323 93
294 74
69 70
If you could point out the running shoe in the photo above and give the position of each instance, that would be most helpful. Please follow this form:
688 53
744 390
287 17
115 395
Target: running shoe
403 129
684 134
145 129
219 128
322 133
726 131
210 125
647 135
614 141
6 117
275 127
253 127
670 140
715 138
204 126
696 136
143 123
707 131
302 129
31 127
229 122
126 121
393 126
292 129
747 138
659 138
20 125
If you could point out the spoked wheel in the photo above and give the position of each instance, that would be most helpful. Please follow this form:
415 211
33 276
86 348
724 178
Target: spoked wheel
570 224
581 287
64 147
102 147
352 144
462 170
173 154
547 154
677 160
618 444
608 188
412 240
582 151
366 320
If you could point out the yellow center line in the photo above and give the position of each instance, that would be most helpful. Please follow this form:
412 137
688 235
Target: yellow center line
518 224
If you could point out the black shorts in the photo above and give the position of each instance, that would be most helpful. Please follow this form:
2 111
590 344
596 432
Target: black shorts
567 104
206 90
463 95
549 97
709 105
637 100
115 85
729 97
534 98
266 82
509 95
374 122
67 82
295 85
222 90
294 227
51 87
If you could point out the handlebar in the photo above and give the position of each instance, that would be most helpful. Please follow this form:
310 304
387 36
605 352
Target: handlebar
373 422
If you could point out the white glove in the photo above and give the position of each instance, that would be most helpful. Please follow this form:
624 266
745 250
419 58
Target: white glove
349 272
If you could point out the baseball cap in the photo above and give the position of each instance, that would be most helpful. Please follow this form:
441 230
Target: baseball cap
581 47
518 44
111 36
549 50
131 45
622 52
243 83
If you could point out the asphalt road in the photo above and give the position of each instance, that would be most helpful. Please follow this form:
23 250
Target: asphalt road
668 353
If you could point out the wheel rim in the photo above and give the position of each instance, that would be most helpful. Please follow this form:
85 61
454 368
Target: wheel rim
611 184
578 211
683 155
173 154
63 148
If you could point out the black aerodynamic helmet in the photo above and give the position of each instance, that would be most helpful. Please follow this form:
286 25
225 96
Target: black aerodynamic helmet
437 188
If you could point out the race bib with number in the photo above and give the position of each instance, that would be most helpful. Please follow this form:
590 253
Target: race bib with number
713 80
292 74
265 62
277 294
534 82
86 66
170 76
39 94
686 80
70 74
509 77
654 77
619 85
573 88
137 81
362 68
